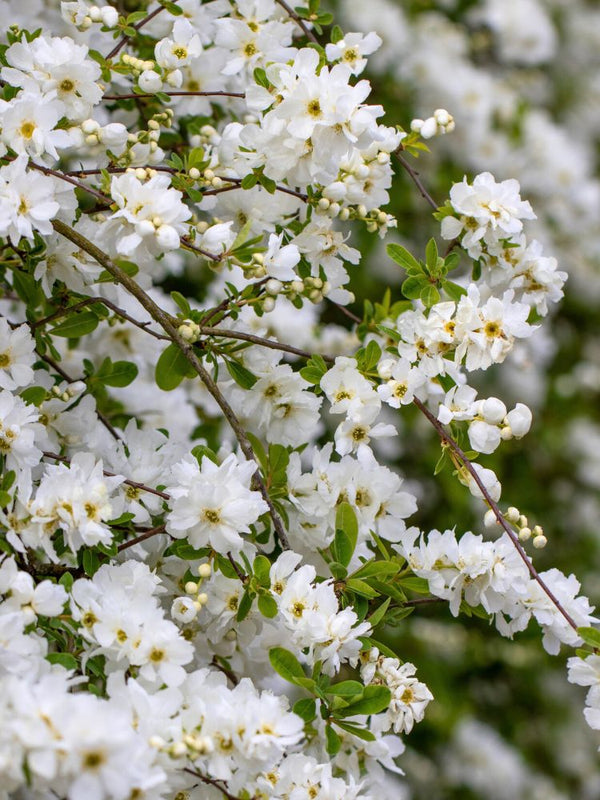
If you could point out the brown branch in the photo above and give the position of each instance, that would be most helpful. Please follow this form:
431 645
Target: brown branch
259 340
346 312
222 668
211 782
141 538
299 21
135 95
190 246
415 178
134 484
61 175
165 321
123 41
90 301
236 568
445 437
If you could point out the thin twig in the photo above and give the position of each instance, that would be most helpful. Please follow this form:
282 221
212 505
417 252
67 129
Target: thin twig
236 568
445 437
299 21
346 312
211 782
165 321
415 178
141 538
259 340
222 668
61 175
90 301
123 41
190 246
134 484
135 95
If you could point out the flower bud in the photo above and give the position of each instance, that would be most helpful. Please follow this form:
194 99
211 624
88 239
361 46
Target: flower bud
150 81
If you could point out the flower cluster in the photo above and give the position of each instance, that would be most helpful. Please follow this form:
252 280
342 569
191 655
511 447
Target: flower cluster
205 539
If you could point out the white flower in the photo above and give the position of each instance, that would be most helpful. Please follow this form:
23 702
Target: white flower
17 355
213 505
150 214
489 212
175 52
56 67
279 261
28 125
519 420
352 49
27 201
78 498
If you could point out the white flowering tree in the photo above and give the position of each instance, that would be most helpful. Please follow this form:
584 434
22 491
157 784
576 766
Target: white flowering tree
204 542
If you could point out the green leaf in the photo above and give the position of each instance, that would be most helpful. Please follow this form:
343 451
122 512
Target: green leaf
27 288
260 77
414 584
181 302
244 606
305 708
341 548
453 290
590 636
336 34
346 689
171 368
372 568
123 373
368 358
345 520
378 615
225 566
346 534
35 395
314 370
355 730
412 287
76 326
360 587
431 256
374 700
406 260
279 458
90 562
261 568
242 376
333 741
172 8
66 580
268 184
249 181
429 296
202 451
286 664
259 451
267 606
66 660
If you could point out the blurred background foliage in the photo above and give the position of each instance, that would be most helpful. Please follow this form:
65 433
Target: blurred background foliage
522 80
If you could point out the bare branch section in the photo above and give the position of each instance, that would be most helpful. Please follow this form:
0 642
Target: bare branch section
299 21
456 449
167 324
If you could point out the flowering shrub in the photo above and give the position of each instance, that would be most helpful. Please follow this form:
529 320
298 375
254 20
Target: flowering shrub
207 540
